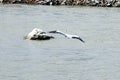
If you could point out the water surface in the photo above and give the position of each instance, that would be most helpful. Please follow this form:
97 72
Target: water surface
60 58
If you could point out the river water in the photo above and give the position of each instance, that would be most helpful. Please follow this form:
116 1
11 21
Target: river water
60 58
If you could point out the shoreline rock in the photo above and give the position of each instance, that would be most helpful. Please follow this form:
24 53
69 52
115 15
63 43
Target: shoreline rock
97 3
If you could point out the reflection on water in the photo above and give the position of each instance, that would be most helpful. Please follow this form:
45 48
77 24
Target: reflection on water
59 58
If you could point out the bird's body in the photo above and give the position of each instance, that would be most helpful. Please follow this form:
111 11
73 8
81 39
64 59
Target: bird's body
34 33
67 35
38 34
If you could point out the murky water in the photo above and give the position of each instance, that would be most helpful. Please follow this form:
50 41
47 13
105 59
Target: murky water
60 58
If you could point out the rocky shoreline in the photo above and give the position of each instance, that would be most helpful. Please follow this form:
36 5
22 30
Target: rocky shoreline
98 3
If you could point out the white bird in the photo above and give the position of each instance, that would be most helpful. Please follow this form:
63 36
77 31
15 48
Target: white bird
38 34
34 33
67 35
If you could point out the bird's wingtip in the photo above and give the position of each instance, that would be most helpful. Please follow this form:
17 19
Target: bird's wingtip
79 39
83 41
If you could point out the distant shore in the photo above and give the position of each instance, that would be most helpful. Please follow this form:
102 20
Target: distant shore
97 3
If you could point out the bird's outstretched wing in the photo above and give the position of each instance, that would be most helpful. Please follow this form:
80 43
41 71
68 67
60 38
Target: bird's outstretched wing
54 31
58 32
79 39
67 35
